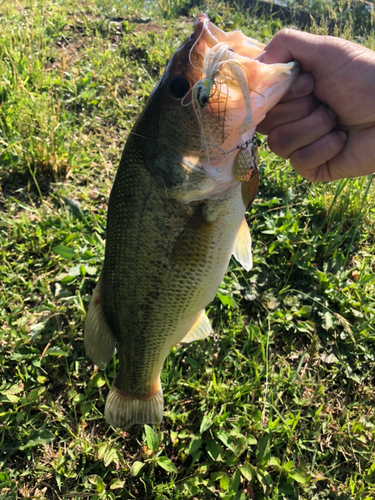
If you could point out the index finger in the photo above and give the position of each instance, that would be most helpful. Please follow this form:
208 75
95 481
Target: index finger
288 45
302 87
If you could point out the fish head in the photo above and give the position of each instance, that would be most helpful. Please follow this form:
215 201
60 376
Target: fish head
205 109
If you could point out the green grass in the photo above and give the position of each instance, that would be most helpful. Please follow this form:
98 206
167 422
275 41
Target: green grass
279 402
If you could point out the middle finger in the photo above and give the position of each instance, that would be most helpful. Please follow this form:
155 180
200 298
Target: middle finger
287 138
287 112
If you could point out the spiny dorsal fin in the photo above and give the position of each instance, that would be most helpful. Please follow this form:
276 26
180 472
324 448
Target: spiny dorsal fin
200 330
242 246
98 338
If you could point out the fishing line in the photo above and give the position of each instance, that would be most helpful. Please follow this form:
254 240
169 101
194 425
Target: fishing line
144 137
196 41
243 146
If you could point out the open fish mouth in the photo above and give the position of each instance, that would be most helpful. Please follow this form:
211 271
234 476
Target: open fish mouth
227 92
230 91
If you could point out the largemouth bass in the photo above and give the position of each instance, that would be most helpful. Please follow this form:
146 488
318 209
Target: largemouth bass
177 211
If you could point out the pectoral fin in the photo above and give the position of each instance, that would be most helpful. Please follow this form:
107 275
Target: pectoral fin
242 246
200 330
98 338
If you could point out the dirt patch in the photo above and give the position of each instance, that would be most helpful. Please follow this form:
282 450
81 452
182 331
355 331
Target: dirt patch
78 36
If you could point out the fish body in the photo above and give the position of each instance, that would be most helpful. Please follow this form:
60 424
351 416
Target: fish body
175 216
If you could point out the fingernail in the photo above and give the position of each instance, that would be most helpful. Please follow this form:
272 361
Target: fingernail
342 135
303 85
331 114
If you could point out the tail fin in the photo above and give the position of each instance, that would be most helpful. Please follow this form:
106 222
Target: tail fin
98 338
123 411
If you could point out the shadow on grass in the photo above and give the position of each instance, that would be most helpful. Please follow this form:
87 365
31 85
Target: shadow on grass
19 184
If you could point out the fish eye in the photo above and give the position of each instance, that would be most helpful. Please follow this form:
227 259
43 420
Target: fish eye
179 87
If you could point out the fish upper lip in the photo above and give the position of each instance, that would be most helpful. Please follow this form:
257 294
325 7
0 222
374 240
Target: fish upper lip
202 29
200 24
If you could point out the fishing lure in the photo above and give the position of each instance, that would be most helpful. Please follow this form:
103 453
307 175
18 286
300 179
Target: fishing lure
223 69
222 66
244 166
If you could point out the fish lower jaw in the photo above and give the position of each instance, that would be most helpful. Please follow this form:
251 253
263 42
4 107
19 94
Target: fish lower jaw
123 410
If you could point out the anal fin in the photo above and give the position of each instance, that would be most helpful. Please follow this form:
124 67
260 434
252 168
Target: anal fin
200 330
98 337
242 246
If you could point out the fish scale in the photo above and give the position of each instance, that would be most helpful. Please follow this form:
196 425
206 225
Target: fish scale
175 216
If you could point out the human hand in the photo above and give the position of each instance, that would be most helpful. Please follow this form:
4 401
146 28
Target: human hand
325 124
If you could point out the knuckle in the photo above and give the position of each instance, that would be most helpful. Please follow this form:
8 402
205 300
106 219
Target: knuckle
308 171
308 105
296 160
329 142
333 143
281 38
303 85
284 34
324 121
276 142
267 124
301 108
262 128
